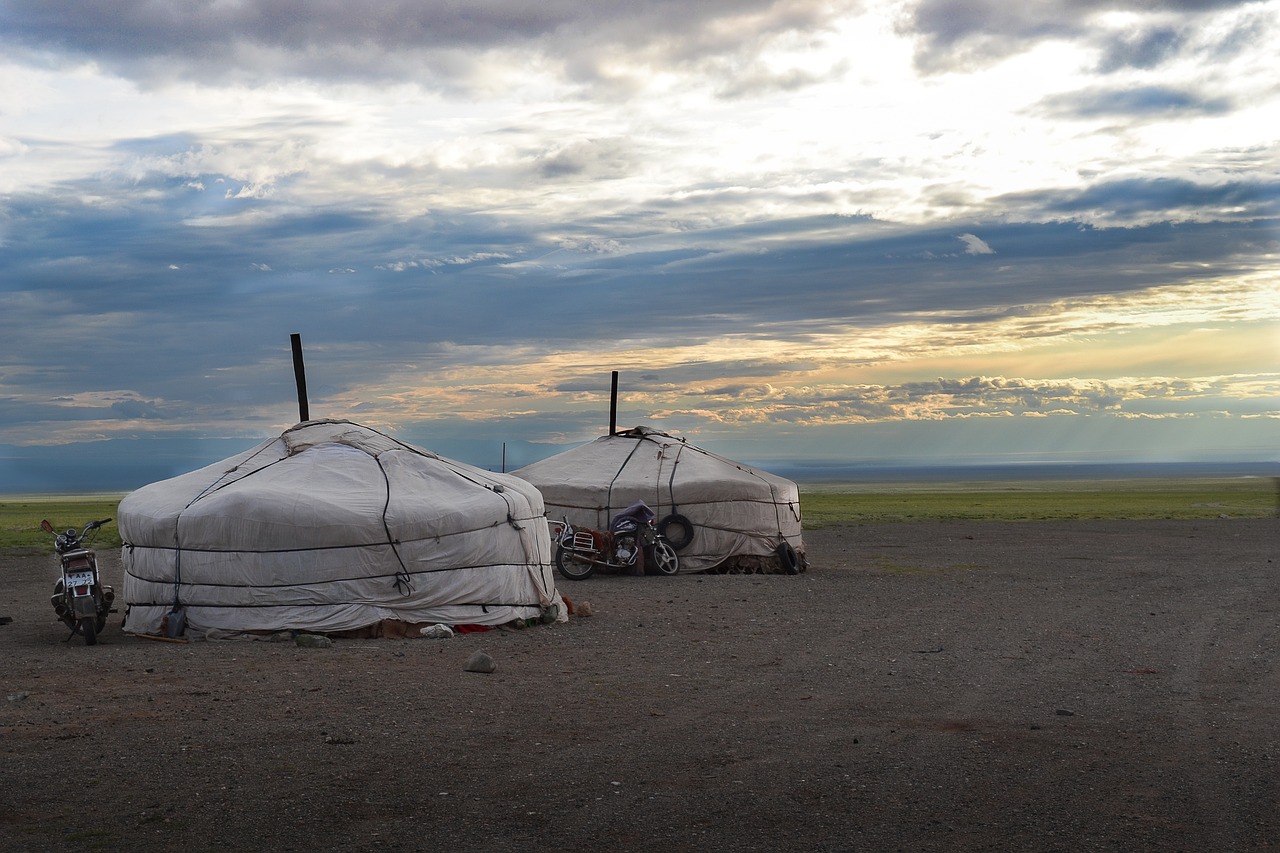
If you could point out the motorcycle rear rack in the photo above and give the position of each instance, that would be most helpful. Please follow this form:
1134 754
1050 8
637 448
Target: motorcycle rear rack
78 559
584 541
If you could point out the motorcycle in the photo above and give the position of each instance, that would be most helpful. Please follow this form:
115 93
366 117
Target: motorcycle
632 543
80 599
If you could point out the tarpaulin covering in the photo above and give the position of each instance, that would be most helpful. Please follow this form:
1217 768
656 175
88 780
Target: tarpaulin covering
331 527
734 511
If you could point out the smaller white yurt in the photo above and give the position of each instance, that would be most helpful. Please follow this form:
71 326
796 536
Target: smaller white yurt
334 527
717 513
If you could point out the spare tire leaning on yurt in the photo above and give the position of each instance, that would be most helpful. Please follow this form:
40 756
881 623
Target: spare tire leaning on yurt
335 527
718 514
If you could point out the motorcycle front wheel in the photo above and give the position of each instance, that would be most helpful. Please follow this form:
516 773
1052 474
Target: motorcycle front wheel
573 568
88 628
665 559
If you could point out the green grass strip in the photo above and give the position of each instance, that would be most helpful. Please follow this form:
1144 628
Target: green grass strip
836 503
20 517
1255 497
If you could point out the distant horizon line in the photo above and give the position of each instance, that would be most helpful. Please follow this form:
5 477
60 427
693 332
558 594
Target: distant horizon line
830 472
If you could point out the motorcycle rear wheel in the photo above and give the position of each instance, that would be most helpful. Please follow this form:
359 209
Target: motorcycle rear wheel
88 628
574 570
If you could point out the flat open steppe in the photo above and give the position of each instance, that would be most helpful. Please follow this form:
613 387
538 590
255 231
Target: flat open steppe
1032 686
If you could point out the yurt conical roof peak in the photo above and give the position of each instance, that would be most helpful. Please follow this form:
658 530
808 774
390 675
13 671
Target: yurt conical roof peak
333 526
734 516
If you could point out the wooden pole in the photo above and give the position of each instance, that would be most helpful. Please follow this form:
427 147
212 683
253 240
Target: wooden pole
300 376
613 406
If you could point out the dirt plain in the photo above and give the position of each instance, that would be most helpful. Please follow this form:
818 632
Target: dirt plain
1035 686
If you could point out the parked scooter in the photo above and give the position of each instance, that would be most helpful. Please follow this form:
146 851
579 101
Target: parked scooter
79 597
631 543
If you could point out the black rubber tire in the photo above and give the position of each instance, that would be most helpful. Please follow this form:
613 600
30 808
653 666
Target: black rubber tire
665 559
788 559
88 628
572 569
678 520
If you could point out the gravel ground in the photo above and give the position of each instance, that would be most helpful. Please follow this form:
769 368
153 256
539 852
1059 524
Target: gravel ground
1078 686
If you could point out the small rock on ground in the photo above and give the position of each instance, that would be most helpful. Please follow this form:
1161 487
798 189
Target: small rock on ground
481 662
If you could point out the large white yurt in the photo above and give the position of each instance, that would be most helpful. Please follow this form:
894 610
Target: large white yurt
719 514
335 527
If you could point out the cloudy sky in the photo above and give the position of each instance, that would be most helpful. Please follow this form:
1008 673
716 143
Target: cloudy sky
867 231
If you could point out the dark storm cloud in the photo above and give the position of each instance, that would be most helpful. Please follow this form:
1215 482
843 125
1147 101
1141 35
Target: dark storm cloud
383 39
1142 48
874 278
113 465
597 159
145 409
857 277
205 281
1148 46
1160 102
984 393
27 411
680 375
1168 199
972 33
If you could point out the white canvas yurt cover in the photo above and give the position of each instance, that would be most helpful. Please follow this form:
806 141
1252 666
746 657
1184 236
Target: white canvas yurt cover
719 514
335 527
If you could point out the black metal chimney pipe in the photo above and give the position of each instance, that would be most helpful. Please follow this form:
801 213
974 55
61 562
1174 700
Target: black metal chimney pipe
613 406
300 376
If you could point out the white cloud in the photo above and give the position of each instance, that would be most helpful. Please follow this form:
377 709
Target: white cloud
974 245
